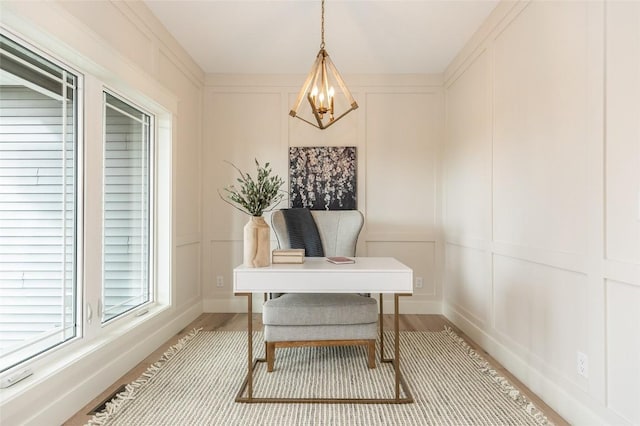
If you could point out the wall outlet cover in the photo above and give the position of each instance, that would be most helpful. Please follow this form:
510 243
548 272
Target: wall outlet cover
582 364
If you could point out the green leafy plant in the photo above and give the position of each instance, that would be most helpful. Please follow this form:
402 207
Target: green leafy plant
254 196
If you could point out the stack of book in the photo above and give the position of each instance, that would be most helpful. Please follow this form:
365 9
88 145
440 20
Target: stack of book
287 256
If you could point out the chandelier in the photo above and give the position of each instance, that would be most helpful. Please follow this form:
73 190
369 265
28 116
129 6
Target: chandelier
319 91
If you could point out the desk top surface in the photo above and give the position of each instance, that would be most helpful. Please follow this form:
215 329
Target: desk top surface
316 274
321 264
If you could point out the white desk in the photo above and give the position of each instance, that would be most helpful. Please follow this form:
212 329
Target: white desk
383 275
316 275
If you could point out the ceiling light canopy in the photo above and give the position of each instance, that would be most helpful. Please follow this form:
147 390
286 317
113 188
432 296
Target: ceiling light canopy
327 104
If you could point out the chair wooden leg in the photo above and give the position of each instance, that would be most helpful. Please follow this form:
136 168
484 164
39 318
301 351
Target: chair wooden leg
371 349
271 355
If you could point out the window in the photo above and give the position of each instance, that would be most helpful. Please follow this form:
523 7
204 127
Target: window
127 201
57 215
38 203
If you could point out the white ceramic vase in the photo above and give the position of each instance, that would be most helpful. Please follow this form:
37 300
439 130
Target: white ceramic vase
257 244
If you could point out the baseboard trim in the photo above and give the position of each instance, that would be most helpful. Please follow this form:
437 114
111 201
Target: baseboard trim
565 404
115 359
238 304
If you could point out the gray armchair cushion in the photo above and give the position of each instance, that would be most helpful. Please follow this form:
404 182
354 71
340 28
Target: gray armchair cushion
320 308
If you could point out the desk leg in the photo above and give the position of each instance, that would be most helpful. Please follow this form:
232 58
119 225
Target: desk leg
399 380
381 330
266 297
250 346
396 364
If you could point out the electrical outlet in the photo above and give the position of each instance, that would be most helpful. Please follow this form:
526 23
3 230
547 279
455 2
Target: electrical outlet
583 364
419 282
219 281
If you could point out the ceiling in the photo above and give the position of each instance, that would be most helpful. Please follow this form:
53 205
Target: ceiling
283 36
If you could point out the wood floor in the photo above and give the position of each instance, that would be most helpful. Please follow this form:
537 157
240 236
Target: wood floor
238 322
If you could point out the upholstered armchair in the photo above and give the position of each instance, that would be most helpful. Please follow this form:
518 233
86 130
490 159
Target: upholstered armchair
321 319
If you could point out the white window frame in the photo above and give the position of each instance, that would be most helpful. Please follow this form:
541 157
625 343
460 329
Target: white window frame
47 348
152 207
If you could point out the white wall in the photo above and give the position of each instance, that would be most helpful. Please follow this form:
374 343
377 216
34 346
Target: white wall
397 131
133 53
541 200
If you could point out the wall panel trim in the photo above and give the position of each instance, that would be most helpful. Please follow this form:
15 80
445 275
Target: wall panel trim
555 259
497 21
140 16
401 237
188 239
623 272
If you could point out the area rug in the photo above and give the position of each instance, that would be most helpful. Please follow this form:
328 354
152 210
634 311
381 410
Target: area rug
195 383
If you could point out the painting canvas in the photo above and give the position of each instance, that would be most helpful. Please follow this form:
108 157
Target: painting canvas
323 178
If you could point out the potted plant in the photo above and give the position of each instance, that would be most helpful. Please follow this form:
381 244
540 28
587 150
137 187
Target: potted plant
254 197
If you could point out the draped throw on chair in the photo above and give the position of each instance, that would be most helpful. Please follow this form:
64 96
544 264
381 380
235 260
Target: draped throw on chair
303 232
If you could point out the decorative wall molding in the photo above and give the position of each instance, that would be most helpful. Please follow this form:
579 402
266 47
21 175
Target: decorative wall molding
500 17
292 82
628 273
470 243
422 237
566 276
146 22
185 240
556 259
76 43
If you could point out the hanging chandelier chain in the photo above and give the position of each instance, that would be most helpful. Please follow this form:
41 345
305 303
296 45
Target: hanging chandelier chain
322 27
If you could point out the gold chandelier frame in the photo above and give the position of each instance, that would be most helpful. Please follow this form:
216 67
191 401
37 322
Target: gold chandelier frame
322 98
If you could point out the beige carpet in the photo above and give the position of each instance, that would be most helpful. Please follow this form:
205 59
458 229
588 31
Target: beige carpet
196 381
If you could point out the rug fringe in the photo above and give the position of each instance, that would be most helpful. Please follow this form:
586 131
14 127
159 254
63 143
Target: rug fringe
502 382
129 393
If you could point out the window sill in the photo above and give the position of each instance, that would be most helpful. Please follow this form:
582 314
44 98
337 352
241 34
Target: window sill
73 353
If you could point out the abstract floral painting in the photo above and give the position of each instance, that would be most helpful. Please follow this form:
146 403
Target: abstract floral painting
323 178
